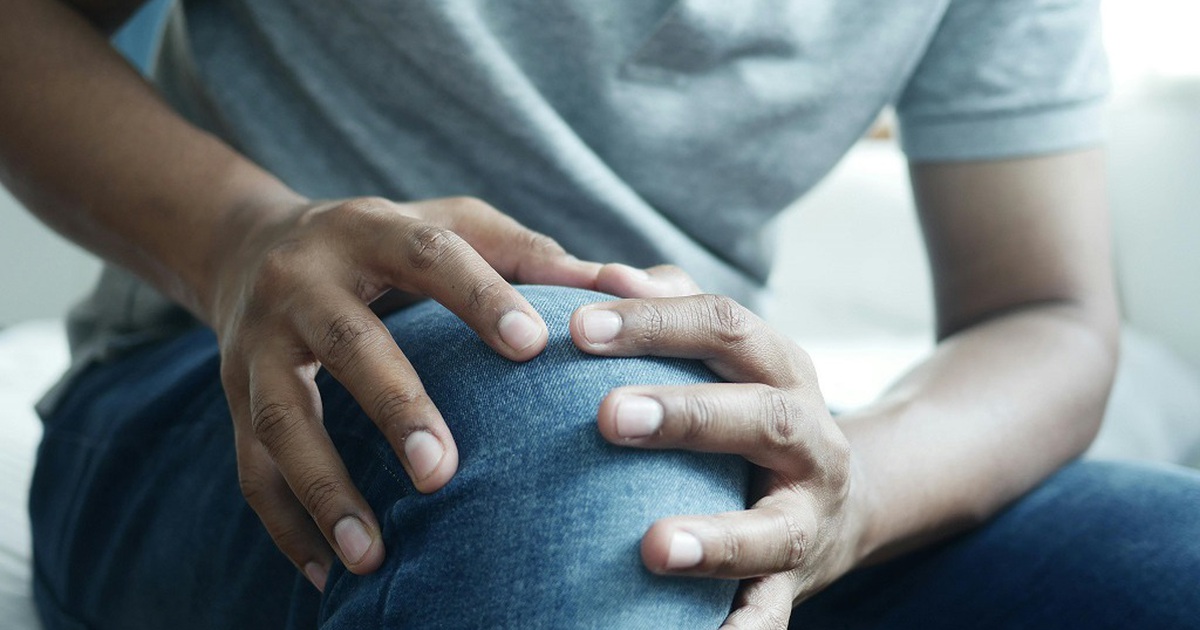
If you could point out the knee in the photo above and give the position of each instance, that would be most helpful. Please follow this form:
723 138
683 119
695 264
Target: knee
543 517
533 424
547 402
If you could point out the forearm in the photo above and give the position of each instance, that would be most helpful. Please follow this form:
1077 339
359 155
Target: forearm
88 146
996 409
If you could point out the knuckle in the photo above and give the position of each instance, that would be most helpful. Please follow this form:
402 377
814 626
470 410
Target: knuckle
802 359
254 486
289 537
837 464
795 542
272 423
779 424
320 494
342 340
393 404
729 559
358 211
277 268
469 203
699 415
540 244
466 207
730 321
651 324
430 245
484 293
802 365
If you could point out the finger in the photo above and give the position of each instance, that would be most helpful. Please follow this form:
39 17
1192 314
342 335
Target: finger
773 428
516 252
359 351
732 341
767 539
285 417
424 258
631 282
267 493
285 519
763 604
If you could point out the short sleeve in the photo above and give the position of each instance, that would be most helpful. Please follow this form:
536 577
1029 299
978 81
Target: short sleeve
1007 78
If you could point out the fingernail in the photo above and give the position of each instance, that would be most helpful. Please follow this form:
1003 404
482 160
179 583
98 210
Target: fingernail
638 416
352 538
685 551
600 326
317 575
424 453
518 330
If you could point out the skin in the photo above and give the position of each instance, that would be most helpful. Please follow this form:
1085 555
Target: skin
1027 329
1016 387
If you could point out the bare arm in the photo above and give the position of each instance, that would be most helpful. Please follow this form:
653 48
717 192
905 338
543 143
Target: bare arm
90 148
1027 325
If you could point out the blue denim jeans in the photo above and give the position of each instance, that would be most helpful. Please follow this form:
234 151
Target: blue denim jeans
139 523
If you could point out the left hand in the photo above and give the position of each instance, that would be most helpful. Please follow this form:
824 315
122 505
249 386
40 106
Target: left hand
801 532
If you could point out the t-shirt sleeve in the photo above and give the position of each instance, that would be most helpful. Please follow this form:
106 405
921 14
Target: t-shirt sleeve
1007 78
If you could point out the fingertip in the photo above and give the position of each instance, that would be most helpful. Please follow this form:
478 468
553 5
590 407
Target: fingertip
432 459
525 336
442 475
655 545
594 326
360 547
628 416
668 549
370 563
317 574
576 330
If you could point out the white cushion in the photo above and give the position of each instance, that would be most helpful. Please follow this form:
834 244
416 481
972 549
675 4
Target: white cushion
32 355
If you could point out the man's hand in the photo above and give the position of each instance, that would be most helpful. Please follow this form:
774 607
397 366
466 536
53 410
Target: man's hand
802 530
292 296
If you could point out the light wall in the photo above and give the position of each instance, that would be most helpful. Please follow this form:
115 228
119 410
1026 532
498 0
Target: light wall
41 273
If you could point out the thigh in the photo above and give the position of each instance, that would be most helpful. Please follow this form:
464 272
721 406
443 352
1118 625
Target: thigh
1099 545
137 516
541 526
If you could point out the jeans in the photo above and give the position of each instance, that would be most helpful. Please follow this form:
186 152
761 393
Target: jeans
139 523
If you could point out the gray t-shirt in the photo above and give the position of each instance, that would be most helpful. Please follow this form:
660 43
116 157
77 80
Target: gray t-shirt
642 132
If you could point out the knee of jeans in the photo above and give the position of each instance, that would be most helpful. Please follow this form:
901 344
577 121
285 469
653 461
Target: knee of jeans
497 408
537 418
542 512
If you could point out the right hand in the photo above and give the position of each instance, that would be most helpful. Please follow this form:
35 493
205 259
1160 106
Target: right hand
293 296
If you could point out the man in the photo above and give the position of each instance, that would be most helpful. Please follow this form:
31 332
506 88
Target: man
305 185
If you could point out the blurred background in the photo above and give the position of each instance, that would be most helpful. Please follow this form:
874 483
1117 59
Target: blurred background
851 272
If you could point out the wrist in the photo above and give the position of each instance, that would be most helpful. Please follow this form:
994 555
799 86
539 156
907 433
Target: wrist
256 211
862 529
